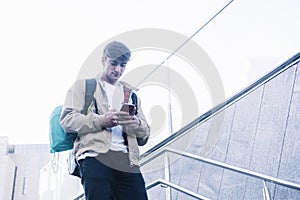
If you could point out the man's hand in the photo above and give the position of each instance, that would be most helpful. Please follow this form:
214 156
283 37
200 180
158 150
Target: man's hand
114 118
111 118
128 121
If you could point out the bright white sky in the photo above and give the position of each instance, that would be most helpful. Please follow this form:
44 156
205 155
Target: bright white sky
45 42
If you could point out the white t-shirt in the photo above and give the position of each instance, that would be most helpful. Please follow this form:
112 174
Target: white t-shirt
117 142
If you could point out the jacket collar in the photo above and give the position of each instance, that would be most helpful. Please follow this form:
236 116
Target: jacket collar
119 83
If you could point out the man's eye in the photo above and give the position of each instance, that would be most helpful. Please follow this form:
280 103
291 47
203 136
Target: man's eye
123 64
113 63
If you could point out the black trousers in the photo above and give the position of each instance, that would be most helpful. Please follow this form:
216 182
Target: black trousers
110 177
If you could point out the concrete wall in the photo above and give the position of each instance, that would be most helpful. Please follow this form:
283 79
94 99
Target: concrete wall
260 132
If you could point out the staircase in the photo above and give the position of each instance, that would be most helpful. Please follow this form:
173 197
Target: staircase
257 150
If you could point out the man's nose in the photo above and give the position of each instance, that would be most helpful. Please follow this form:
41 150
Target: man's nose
118 68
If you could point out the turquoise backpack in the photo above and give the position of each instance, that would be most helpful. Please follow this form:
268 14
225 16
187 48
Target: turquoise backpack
59 139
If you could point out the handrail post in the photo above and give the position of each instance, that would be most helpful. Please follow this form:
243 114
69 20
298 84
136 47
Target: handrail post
266 191
167 175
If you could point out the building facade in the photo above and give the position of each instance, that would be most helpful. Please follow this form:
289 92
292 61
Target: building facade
20 166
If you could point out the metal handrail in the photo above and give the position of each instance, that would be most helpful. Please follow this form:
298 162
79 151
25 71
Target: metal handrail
80 197
266 192
177 187
236 169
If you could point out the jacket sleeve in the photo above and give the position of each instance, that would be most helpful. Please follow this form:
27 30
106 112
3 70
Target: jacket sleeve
71 118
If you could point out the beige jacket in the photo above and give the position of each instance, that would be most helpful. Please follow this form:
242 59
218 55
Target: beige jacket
92 133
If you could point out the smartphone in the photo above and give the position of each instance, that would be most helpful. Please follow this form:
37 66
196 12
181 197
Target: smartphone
128 107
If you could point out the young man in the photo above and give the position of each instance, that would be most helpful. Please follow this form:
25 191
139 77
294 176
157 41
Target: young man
108 139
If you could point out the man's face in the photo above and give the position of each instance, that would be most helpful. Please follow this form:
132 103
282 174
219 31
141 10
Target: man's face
113 69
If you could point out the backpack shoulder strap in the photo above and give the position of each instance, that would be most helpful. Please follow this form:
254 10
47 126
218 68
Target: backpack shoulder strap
127 92
90 87
134 98
134 101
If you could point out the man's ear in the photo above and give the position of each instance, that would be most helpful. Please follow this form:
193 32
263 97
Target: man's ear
103 60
